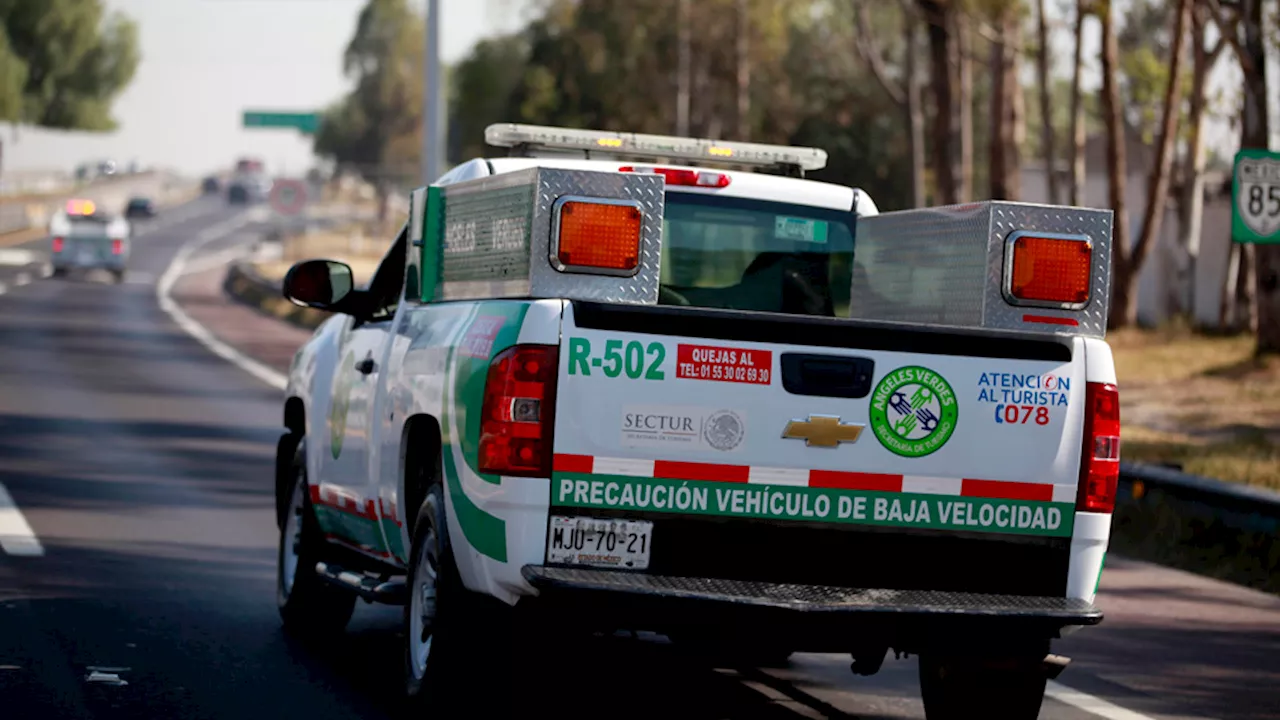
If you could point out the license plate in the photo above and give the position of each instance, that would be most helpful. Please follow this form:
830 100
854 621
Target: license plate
595 542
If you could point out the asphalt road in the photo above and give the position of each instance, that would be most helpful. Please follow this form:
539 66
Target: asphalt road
142 462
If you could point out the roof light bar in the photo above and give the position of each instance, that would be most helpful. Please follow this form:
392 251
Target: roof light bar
655 146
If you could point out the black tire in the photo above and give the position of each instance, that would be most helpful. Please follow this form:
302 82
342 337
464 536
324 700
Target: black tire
308 605
953 688
469 665
117 276
59 272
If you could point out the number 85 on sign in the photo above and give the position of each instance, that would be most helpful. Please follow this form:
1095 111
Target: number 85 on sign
1255 195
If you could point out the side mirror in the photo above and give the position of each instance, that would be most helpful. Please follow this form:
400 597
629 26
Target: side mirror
321 284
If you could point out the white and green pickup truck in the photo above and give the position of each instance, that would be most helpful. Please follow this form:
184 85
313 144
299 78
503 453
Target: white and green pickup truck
618 381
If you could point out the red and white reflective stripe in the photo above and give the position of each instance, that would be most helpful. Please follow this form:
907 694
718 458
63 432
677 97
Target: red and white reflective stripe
334 498
829 479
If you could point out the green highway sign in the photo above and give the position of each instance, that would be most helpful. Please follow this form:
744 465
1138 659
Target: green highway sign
308 123
1255 197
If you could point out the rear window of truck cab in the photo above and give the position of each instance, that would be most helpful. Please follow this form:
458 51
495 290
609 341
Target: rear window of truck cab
749 254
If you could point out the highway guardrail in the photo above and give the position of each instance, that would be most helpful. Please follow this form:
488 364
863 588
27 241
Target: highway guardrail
1220 529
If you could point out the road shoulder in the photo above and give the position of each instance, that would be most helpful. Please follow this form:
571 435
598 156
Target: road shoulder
260 337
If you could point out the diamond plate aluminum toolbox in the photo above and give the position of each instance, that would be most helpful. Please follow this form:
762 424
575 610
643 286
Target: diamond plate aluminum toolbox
494 237
948 266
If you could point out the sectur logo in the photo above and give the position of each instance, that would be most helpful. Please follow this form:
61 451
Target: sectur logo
913 411
338 407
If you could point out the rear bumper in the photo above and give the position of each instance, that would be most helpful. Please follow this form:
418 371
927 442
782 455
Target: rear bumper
816 616
75 263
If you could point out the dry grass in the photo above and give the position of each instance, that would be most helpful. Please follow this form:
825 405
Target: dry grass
1205 403
359 246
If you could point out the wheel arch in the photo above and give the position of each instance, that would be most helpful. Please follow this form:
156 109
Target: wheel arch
295 423
420 463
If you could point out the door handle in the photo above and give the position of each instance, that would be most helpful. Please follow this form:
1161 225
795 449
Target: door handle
366 366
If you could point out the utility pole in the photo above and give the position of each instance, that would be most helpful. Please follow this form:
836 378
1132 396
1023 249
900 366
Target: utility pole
431 96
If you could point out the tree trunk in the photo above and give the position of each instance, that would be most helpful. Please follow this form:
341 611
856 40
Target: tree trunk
1046 110
907 94
1076 197
1006 111
936 16
1255 133
964 102
1158 182
914 109
1191 203
1121 287
682 68
744 72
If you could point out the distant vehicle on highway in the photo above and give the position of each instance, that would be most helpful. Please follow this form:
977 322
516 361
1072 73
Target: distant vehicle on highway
140 207
249 165
85 237
211 185
249 189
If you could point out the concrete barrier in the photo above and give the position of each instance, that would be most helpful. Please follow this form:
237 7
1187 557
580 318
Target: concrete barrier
266 296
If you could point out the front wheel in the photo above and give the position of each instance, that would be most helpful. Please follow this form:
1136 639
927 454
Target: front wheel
308 605
954 689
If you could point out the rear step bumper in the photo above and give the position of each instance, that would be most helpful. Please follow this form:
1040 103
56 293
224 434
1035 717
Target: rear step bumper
601 585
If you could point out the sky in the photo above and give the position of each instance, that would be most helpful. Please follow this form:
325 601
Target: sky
205 61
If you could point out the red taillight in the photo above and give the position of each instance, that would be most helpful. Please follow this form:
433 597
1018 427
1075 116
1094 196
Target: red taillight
1100 460
518 411
117 247
679 176
57 244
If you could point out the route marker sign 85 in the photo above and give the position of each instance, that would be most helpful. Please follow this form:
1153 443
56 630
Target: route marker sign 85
1255 197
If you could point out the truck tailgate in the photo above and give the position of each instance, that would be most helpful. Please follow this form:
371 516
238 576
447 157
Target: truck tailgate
739 433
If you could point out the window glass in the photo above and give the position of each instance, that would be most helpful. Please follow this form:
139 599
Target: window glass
746 254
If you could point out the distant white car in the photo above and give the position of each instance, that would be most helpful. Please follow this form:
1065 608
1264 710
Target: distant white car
85 237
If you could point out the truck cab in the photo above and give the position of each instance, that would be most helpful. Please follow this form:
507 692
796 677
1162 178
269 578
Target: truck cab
671 385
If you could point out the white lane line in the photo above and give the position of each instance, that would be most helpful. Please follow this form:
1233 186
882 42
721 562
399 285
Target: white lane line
1089 703
195 329
16 536
216 259
17 257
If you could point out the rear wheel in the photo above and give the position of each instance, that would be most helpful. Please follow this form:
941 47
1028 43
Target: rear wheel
59 272
458 645
308 605
117 276
955 688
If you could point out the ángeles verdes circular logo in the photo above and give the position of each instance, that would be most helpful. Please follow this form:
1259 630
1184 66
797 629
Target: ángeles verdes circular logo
723 430
913 411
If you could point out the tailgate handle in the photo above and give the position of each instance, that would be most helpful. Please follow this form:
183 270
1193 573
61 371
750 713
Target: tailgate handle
827 375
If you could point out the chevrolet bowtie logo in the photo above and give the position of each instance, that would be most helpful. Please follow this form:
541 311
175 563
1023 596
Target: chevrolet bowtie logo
822 431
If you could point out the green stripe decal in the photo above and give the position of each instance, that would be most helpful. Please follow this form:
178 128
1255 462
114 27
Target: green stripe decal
804 504
463 395
353 528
